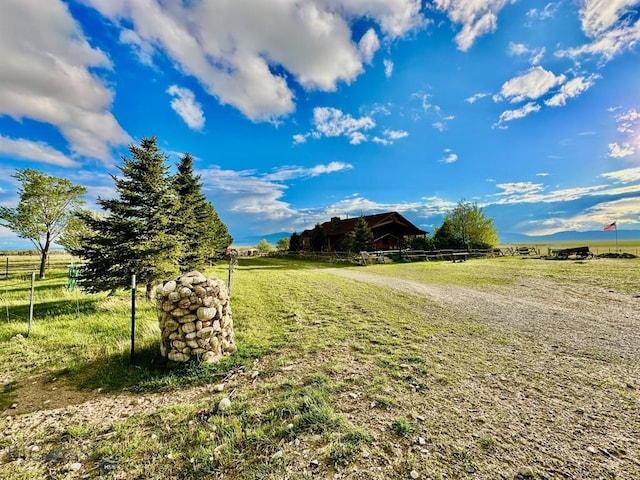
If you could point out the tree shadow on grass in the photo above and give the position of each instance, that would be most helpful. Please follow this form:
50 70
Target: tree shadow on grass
149 372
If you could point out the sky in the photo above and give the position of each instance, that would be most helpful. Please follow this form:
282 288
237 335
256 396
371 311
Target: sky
297 111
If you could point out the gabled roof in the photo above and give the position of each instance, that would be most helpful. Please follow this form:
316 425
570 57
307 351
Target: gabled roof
337 226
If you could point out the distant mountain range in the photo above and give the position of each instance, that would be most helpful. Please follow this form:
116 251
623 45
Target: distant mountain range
506 238
252 241
569 236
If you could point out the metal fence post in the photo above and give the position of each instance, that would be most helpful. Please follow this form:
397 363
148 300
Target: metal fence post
133 315
33 280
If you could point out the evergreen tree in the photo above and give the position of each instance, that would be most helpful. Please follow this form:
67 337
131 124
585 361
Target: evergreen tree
294 242
444 237
361 237
201 231
318 238
136 235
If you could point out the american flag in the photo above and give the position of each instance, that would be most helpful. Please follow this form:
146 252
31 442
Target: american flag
611 226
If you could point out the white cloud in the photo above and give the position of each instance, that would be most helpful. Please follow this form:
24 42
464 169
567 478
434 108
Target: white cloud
531 85
289 173
142 48
476 18
299 138
388 67
621 151
628 121
570 89
438 126
598 16
231 48
522 112
626 175
47 76
474 98
395 134
517 48
449 157
260 194
536 54
37 151
628 124
184 104
519 188
368 45
547 12
390 136
612 31
331 122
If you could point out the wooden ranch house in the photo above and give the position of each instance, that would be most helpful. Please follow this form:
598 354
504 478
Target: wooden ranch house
390 231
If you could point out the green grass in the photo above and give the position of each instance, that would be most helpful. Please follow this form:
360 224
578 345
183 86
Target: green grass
350 375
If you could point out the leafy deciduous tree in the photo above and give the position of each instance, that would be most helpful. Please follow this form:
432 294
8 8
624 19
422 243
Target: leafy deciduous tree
471 227
46 205
283 244
263 246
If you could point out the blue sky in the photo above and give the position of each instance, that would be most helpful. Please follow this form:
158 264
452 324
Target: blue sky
297 111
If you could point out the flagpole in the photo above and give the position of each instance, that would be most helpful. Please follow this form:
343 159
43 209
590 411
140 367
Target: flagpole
617 237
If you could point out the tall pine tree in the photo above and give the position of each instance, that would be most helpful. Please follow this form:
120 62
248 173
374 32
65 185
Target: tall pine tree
361 237
202 232
136 236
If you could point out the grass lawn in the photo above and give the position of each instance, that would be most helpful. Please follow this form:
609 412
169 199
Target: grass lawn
333 378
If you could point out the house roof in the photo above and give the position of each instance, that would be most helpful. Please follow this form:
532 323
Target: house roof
337 226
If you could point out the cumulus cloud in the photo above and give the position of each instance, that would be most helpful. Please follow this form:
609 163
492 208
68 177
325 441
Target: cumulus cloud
531 85
611 28
231 48
300 138
628 124
449 157
184 104
475 97
598 16
36 151
522 112
331 122
390 136
621 151
570 89
388 67
476 18
49 77
535 54
255 193
369 45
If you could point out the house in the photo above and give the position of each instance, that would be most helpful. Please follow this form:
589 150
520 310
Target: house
390 231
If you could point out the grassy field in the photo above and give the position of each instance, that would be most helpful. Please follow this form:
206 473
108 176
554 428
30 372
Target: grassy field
334 378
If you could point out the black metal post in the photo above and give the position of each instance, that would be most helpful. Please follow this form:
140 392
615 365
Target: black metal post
133 316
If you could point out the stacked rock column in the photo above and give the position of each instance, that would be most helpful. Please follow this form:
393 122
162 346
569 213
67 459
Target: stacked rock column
194 314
